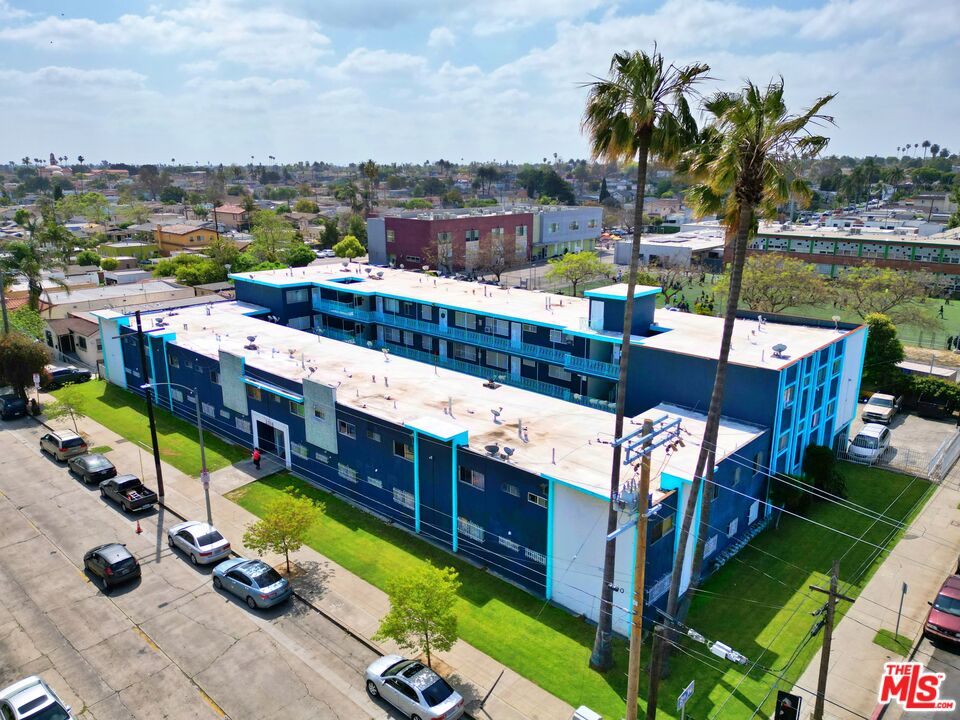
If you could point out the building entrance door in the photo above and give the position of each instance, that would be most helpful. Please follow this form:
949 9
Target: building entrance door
271 437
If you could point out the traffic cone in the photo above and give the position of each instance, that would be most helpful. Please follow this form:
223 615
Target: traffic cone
139 529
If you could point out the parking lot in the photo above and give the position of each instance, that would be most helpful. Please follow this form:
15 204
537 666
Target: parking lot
914 439
166 646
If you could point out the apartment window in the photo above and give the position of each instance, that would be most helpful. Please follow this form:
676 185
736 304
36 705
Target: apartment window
510 489
214 377
242 425
225 414
403 498
322 457
757 463
556 336
415 259
520 231
174 360
527 362
319 414
373 435
500 327
176 395
345 428
710 546
471 235
99 346
471 477
391 305
821 375
498 359
557 373
732 527
592 223
716 490
529 328
299 450
401 449
427 342
296 409
391 236
554 227
298 295
346 472
737 474
815 420
510 544
253 392
537 499
426 312
82 343
788 396
208 410
661 528
299 323
574 225
465 352
375 481
470 529
535 556
465 320
836 367
391 335
496 232
444 237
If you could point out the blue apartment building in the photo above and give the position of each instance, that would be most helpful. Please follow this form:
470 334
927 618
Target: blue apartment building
478 417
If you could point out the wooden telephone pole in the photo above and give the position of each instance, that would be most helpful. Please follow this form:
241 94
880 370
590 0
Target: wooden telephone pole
832 597
639 566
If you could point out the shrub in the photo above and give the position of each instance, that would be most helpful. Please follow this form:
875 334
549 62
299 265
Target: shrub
820 470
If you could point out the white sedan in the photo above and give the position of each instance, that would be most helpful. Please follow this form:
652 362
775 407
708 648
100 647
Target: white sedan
414 689
32 699
202 543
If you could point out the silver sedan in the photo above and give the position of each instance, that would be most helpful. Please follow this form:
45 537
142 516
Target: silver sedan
201 542
414 689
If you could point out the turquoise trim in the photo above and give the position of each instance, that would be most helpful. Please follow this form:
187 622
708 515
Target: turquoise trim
166 368
416 482
272 389
863 357
153 371
460 438
551 508
103 348
453 498
602 294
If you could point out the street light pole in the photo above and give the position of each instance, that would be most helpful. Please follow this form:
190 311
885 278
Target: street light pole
204 475
150 417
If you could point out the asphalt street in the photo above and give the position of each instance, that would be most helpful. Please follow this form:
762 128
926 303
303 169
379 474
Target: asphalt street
944 660
167 646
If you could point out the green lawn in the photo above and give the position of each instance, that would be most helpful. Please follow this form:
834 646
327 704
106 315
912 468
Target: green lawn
899 644
756 603
126 414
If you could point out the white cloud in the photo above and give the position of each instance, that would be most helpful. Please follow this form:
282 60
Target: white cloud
441 37
374 64
9 12
59 78
200 67
248 86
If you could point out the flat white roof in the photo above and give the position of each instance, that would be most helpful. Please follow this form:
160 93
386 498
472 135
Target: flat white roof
562 440
690 334
112 291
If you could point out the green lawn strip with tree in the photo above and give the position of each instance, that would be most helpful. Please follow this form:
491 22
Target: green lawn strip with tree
899 644
125 414
551 647
100 449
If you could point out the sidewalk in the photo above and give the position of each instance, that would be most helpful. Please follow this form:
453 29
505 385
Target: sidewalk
351 601
856 662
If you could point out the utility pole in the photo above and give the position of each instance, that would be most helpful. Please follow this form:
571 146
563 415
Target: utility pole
639 566
149 399
653 690
832 596
3 302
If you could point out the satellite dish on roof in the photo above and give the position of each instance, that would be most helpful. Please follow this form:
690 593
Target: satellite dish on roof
492 449
778 350
508 451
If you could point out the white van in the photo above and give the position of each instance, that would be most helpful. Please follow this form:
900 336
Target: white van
870 444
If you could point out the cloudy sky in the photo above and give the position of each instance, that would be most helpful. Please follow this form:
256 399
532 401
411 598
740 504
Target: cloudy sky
411 80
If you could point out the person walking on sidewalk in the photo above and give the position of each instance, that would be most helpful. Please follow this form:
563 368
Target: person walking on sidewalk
256 458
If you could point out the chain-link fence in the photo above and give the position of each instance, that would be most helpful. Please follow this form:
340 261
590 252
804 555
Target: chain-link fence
933 466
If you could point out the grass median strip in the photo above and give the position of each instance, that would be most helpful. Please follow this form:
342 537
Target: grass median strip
758 603
125 414
898 644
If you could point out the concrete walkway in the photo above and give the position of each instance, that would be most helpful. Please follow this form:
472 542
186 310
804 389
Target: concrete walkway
925 555
351 601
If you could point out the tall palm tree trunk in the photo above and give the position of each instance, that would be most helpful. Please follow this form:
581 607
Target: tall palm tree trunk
602 656
706 458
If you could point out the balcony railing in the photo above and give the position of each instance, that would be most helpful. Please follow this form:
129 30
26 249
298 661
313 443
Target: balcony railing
594 367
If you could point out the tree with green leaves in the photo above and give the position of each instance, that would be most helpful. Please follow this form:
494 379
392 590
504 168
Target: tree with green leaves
640 109
577 268
69 403
28 322
884 350
299 255
20 358
349 248
604 192
109 263
331 232
357 227
422 613
899 294
272 236
305 205
42 250
88 257
283 526
773 282
745 166
200 212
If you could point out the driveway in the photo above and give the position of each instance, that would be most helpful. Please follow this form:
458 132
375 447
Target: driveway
915 440
167 646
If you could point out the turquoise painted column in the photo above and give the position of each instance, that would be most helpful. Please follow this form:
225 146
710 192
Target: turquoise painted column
416 481
153 371
551 508
453 495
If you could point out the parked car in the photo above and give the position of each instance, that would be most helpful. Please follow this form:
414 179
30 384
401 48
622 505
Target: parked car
63 444
92 468
111 565
881 408
56 376
870 444
12 406
201 542
413 688
129 492
255 582
32 699
943 619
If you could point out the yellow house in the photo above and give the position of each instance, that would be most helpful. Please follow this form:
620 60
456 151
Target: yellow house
173 238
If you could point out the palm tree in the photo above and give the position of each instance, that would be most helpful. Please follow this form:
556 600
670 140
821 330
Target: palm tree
80 171
640 109
934 150
745 168
47 247
925 144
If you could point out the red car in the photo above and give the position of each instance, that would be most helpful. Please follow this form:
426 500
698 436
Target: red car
943 620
